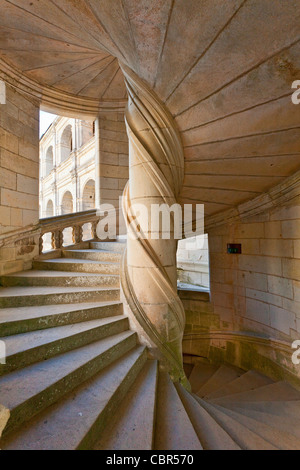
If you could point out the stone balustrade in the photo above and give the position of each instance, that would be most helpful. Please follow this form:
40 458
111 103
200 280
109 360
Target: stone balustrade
20 247
56 226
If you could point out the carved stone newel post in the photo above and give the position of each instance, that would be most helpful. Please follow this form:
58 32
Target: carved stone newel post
149 278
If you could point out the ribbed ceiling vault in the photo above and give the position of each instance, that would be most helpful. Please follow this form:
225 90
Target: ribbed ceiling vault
224 68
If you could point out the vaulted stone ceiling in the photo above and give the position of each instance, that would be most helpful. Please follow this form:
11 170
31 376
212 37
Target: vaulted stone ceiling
224 68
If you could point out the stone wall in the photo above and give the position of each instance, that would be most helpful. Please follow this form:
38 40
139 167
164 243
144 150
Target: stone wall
19 164
200 320
113 170
259 290
253 314
19 176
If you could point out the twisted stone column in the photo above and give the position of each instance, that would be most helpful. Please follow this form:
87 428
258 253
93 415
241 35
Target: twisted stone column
149 279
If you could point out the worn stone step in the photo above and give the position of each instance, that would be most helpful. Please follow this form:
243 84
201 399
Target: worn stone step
211 435
248 381
133 427
271 407
78 419
18 320
244 437
188 369
276 436
60 279
33 296
95 255
278 391
221 377
174 429
28 348
279 415
118 247
77 265
200 374
28 391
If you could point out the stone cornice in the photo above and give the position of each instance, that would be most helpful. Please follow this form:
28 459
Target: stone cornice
56 101
279 195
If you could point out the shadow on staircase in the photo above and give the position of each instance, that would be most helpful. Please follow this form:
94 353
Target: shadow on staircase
76 377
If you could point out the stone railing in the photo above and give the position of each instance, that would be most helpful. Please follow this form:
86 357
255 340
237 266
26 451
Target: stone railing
56 226
20 247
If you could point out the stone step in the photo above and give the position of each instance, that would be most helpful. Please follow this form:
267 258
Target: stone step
221 377
133 427
77 265
188 369
14 321
174 429
279 415
271 407
248 381
28 391
118 247
279 391
95 255
211 435
200 374
78 419
28 348
33 296
279 438
244 437
59 278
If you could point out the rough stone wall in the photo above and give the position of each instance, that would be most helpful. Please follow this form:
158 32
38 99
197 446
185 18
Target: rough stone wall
113 155
19 175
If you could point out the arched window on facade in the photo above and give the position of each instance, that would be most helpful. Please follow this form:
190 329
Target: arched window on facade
88 196
49 209
66 143
49 163
67 203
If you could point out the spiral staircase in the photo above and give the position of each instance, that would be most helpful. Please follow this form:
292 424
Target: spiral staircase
76 376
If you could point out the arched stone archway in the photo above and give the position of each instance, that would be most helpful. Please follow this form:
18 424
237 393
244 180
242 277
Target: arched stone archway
66 143
49 163
67 203
88 195
50 208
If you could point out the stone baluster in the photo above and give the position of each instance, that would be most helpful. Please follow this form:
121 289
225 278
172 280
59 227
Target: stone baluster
41 244
77 234
94 229
57 239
